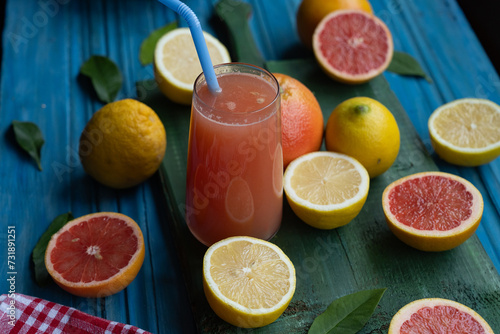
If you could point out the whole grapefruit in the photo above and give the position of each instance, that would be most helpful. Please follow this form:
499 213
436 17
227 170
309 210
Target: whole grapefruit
301 119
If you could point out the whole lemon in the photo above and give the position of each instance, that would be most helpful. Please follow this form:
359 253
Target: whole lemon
311 12
123 144
364 129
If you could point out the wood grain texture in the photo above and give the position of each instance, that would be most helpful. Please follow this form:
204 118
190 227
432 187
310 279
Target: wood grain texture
43 49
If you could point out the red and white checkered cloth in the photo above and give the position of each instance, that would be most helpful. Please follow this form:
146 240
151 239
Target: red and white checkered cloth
30 315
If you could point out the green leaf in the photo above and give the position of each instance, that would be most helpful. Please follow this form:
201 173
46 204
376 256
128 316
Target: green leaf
38 255
147 51
30 138
404 64
348 314
235 15
105 76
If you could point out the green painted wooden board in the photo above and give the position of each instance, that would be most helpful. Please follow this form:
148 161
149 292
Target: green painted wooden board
329 264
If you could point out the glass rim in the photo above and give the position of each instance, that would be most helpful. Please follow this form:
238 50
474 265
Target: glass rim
201 77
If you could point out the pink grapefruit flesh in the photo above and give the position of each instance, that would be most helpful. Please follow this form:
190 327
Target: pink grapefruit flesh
437 316
352 46
431 202
96 255
86 253
432 211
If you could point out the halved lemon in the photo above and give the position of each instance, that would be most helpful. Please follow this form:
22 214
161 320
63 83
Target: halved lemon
176 63
466 132
248 282
326 189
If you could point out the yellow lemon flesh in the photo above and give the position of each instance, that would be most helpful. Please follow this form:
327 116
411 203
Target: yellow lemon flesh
364 129
466 132
326 189
248 282
123 144
176 63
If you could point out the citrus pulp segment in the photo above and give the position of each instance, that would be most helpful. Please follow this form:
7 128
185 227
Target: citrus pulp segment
466 132
248 282
96 255
432 211
176 63
352 46
439 316
326 189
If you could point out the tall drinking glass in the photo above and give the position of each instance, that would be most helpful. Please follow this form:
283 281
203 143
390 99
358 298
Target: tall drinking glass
235 159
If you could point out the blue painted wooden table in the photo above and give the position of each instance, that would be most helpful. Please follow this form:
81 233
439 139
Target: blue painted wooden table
44 45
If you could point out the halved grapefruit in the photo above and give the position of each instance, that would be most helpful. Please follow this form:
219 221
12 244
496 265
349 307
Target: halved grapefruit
432 211
352 46
96 255
437 315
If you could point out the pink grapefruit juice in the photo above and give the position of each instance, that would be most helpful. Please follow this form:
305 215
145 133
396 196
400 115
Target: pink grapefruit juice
235 162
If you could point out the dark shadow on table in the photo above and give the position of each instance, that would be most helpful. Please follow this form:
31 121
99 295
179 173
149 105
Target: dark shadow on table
482 16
